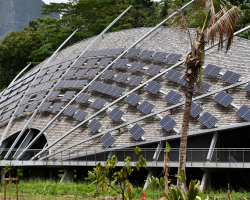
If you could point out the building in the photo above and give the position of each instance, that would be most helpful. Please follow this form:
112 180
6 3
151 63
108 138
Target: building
137 101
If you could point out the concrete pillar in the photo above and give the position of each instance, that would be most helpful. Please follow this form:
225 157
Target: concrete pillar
206 181
150 173
68 175
2 178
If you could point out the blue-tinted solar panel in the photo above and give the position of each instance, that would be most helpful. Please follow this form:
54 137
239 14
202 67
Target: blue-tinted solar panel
94 125
135 80
162 56
40 96
91 62
81 73
69 94
153 87
223 98
143 53
98 103
167 123
46 78
95 85
208 120
56 106
148 54
116 114
56 75
133 99
116 91
156 55
212 70
118 62
146 107
32 107
123 63
248 87
108 74
70 110
176 58
104 61
130 52
230 77
173 97
80 115
204 89
83 98
136 52
70 73
79 63
107 140
136 131
173 75
92 72
170 57
183 81
12 106
45 106
52 70
244 112
65 66
121 77
154 69
25 100
107 88
53 94
134 65
195 109
77 83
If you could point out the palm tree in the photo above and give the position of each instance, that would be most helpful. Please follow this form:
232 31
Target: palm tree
214 27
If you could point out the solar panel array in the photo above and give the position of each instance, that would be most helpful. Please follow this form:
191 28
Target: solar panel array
81 73
133 52
78 63
173 75
202 89
6 116
106 89
92 72
31 107
91 62
54 94
70 110
11 100
146 54
104 52
133 99
116 114
167 123
40 88
208 120
195 110
121 77
104 61
121 63
136 131
153 87
80 115
244 112
173 97
71 83
40 96
45 106
146 107
69 94
70 73
25 100
173 58
154 69
108 74
52 69
94 125
135 80
223 98
56 106
211 70
107 140
56 75
137 66
83 97
160 56
98 103
20 110
231 77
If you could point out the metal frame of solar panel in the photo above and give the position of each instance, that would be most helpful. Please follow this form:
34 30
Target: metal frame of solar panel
135 80
154 69
195 109
223 98
70 110
32 107
116 114
121 77
133 99
80 115
211 70
136 131
244 112
107 140
173 75
205 88
167 123
69 94
173 97
231 77
56 106
153 87
45 106
94 125
208 120
146 107
98 103
108 74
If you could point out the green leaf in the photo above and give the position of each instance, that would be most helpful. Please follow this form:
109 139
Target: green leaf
137 150
167 149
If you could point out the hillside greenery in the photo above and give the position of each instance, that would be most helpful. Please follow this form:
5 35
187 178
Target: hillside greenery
43 36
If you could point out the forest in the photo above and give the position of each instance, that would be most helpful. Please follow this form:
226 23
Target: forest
43 36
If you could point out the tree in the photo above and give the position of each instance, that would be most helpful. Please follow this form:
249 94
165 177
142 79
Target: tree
212 26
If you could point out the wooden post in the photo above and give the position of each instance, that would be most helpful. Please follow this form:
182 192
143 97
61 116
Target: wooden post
17 188
5 189
166 171
228 195
9 184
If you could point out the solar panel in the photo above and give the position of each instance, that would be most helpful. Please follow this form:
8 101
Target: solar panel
133 99
46 78
135 80
54 94
36 81
143 53
156 56
79 63
94 125
35 71
173 97
1 111
45 106
176 58
95 85
92 72
31 107
98 103
204 89
107 88
183 81
136 131
119 51
230 77
208 120
107 140
83 98
70 73
116 114
153 87
130 52
12 106
118 62
91 62
25 100
167 123
42 72
6 116
80 115
20 110
223 98
136 52
211 70
29 79
248 87
56 75
146 107
70 110
53 69
40 96
121 77
81 72
69 94
66 65
104 61
195 109
79 83
154 69
148 54
13 93
173 75
123 63
116 91
170 57
57 106
137 66
244 112
17 86
108 74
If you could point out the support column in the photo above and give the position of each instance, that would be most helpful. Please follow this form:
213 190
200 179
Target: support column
212 146
68 175
2 178
206 181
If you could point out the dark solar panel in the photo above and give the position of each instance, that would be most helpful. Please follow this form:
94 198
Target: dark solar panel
57 106
81 72
46 78
69 94
20 110
133 99
248 87
130 52
195 109
91 62
123 63
136 52
56 75
79 63
83 98
204 89
116 91
52 70
146 107
153 87
65 66
92 72
116 114
223 98
183 81
70 110
208 120
244 112
134 65
12 106
80 83
230 77
94 125
119 51
118 62
121 77
95 85
143 53
107 88
6 116
135 80
167 123
107 140
211 70
98 103
36 81
156 55
104 88
25 100
173 97
148 54
170 57
104 61
176 58
173 75
54 94
70 73
154 69
45 106
108 74
40 96
42 72
80 115
31 107
162 56
136 131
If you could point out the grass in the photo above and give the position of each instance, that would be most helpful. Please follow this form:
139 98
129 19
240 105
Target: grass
40 189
